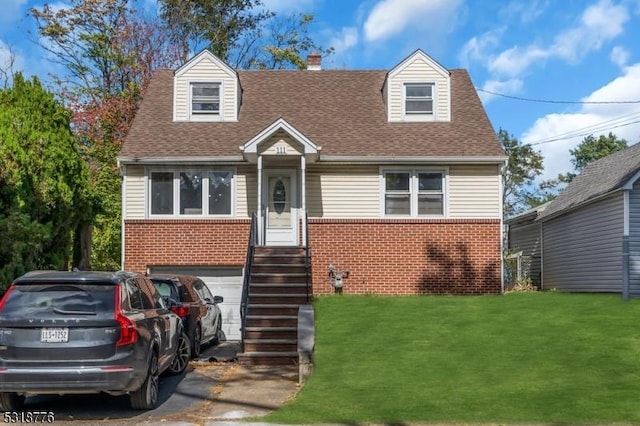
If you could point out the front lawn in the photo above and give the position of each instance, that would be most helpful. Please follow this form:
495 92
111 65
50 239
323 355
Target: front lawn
518 358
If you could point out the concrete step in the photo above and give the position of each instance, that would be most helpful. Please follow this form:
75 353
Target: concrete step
278 268
277 288
271 333
272 321
261 309
288 259
268 358
269 278
278 299
271 345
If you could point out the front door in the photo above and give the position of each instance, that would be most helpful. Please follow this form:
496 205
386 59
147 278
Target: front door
281 207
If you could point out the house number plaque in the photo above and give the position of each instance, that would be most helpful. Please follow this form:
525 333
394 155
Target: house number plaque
281 150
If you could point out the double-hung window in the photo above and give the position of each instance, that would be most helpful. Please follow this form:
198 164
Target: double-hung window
205 99
414 192
198 192
418 98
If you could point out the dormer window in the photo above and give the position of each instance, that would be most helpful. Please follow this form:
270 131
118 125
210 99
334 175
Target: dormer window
205 100
418 98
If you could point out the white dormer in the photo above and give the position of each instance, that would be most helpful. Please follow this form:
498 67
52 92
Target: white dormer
205 89
418 89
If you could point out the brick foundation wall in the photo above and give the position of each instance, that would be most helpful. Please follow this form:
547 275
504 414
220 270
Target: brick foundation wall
185 242
383 256
450 256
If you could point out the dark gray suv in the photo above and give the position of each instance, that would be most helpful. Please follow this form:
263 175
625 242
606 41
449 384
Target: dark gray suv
85 332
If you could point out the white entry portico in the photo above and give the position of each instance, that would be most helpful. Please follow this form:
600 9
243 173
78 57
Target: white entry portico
280 153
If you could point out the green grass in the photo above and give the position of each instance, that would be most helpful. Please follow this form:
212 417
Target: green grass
519 358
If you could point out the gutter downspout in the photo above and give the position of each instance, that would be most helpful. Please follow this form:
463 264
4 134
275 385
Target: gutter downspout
625 247
123 209
541 256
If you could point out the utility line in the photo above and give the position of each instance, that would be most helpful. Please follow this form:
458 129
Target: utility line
580 134
550 101
593 128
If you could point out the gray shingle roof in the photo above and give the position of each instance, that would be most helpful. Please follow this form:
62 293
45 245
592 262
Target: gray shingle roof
342 111
598 178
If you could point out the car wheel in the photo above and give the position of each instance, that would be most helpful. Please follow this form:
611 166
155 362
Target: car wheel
146 397
196 344
218 337
182 357
11 401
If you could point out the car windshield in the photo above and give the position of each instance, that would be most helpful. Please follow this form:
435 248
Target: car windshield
54 300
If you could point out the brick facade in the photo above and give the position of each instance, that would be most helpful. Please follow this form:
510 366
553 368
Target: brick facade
185 242
454 256
383 256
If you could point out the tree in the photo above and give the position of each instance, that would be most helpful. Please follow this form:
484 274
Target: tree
109 52
518 180
591 149
43 181
241 32
7 66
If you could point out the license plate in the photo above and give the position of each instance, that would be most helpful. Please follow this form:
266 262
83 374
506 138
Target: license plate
54 335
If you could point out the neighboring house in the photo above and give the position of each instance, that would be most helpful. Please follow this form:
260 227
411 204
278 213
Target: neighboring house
590 234
523 238
399 173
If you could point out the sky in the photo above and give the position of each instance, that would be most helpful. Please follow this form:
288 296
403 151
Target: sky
550 72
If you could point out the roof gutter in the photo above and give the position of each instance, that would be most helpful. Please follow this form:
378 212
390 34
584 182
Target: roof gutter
180 160
411 159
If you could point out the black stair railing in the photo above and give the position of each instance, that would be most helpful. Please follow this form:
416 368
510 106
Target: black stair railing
248 263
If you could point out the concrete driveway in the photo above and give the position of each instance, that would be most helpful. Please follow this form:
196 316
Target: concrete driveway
213 390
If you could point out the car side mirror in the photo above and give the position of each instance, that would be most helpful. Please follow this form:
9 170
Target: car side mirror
218 299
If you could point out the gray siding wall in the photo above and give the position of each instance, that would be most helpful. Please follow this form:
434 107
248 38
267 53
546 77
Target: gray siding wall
634 241
525 237
583 248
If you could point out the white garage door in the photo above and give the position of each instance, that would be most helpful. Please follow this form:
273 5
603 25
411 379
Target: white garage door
227 282
222 281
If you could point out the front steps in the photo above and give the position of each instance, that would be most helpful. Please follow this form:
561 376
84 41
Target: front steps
277 289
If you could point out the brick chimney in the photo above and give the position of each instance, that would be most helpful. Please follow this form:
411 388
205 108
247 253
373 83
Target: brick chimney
314 61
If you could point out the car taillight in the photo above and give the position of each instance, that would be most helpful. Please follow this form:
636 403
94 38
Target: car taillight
181 311
128 332
5 297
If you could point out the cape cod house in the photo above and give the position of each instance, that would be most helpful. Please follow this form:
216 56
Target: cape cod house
392 179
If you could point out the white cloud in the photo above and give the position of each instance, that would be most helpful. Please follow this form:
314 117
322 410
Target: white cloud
619 56
477 47
525 11
506 87
344 40
515 60
621 119
391 17
12 11
599 23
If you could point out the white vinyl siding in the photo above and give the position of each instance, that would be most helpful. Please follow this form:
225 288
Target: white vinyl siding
583 248
351 191
134 192
418 71
203 71
246 187
525 237
474 191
